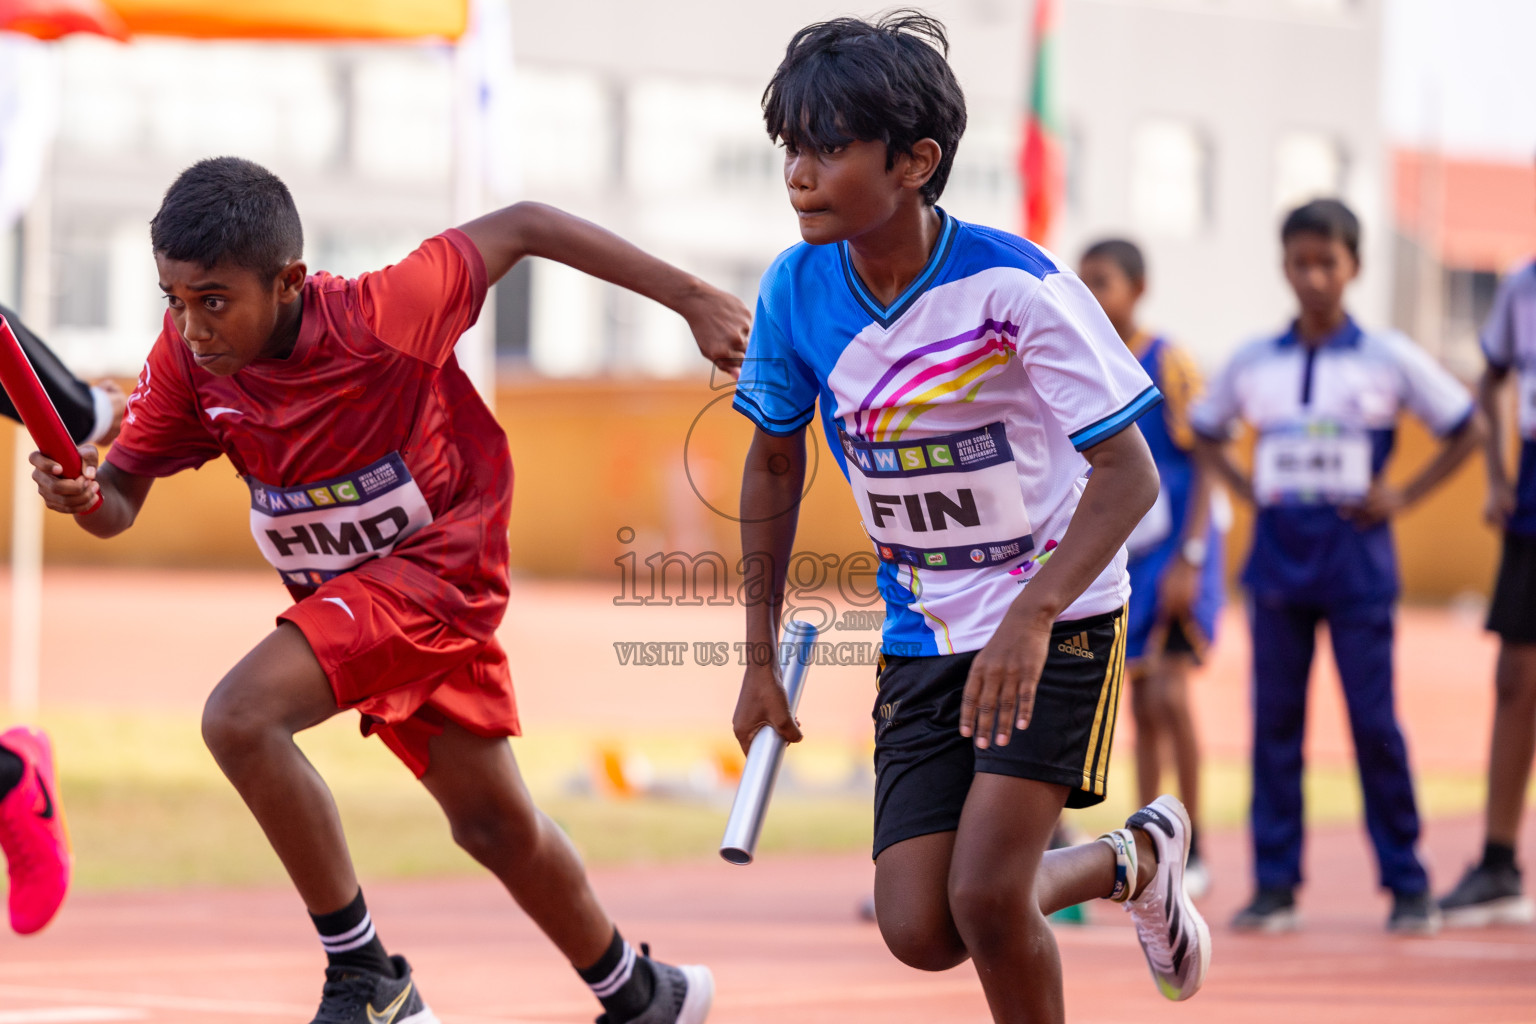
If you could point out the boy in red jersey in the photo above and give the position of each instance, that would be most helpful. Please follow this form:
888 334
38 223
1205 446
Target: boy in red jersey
380 490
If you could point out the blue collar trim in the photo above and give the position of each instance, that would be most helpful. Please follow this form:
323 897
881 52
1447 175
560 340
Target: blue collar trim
887 315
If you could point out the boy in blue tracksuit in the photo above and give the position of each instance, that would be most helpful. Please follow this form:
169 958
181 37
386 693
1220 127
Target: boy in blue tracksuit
1323 398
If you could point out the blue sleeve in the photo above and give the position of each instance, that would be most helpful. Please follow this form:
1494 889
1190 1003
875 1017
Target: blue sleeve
777 390
1497 338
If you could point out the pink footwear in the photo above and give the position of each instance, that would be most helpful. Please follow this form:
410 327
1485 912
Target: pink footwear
33 834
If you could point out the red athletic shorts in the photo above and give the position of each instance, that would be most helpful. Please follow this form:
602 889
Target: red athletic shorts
407 671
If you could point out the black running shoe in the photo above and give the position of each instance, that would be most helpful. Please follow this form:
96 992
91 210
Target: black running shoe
352 996
682 995
1413 914
1272 910
1487 896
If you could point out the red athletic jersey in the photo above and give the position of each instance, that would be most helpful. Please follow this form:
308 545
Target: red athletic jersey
367 450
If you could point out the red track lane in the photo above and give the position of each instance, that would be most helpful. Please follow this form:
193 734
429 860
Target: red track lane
781 934
784 943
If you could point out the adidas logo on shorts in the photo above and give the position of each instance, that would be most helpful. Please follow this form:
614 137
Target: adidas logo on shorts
1077 645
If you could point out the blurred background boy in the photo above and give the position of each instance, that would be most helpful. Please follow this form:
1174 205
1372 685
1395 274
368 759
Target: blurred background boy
1323 397
1175 559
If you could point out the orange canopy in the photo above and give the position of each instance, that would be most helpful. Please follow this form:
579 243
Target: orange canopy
295 19
50 19
1480 214
239 19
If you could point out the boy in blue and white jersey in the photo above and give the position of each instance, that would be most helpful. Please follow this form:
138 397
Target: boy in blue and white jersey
968 383
1491 892
1323 398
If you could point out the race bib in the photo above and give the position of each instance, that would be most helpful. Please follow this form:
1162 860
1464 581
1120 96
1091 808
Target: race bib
1311 464
945 502
314 532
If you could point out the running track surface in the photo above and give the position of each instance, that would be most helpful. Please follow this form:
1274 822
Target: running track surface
785 945
782 935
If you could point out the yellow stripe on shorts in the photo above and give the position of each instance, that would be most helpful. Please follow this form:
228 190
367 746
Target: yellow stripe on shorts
1101 774
1109 691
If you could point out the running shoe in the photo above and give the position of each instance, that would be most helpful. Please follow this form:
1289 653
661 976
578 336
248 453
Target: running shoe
33 834
1173 935
353 996
682 994
1487 896
1272 910
1413 913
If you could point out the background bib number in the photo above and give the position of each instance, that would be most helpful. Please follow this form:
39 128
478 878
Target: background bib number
1311 466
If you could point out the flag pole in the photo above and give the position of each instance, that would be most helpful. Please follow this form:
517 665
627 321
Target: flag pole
26 508
476 348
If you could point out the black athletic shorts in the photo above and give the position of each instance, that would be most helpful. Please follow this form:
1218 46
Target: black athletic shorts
924 767
1512 614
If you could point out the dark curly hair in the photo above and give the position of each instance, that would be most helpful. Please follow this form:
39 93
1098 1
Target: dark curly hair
226 208
849 80
1327 217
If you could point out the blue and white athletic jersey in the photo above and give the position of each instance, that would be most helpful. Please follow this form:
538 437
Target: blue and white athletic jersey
1325 419
958 413
1509 342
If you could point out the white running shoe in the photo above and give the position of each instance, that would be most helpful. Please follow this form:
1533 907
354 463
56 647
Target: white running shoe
1173 934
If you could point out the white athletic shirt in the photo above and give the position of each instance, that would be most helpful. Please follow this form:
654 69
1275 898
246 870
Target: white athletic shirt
958 414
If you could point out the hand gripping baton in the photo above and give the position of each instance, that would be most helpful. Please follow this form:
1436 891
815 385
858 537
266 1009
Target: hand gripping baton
35 408
767 753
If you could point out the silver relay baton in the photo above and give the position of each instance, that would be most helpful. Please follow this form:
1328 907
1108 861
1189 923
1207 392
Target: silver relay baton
767 752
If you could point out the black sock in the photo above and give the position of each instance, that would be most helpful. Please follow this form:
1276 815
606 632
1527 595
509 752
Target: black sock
12 767
1194 843
621 980
350 940
1498 855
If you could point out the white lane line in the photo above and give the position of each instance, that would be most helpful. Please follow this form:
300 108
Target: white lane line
150 1001
69 1015
187 1004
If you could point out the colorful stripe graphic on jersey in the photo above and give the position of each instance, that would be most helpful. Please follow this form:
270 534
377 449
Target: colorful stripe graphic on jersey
877 417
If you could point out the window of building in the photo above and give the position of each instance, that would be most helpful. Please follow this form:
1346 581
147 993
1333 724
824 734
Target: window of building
1074 166
513 296
402 126
81 264
1324 6
569 137
1308 165
1171 177
568 327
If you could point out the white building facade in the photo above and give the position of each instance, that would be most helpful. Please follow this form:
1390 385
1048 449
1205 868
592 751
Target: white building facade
1189 126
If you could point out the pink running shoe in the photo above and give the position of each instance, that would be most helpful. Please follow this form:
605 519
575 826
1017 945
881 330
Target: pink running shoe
33 834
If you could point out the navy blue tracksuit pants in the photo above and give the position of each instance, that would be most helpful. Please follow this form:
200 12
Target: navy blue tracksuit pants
1284 637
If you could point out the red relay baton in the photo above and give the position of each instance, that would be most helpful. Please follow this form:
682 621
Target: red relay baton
37 412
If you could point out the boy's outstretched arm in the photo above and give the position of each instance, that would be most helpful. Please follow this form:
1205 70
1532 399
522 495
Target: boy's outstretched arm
1383 500
1000 690
122 494
771 486
719 321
